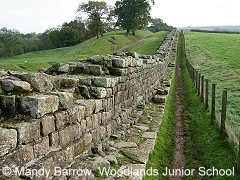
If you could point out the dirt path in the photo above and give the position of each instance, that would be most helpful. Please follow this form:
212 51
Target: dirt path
179 157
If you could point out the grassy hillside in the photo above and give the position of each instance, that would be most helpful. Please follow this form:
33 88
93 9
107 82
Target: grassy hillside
217 57
148 45
43 59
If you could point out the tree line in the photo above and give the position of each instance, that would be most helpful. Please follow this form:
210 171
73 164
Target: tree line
129 15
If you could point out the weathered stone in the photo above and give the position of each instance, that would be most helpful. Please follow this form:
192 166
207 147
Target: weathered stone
149 135
8 140
85 80
68 134
102 81
39 81
10 85
41 147
142 128
66 82
54 141
98 162
7 105
112 159
98 92
99 105
64 68
89 122
122 144
19 157
79 147
65 99
47 125
84 92
142 152
159 98
76 114
90 106
119 53
27 131
62 118
117 62
39 105
87 139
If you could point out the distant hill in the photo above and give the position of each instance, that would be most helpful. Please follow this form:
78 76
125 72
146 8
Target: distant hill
213 28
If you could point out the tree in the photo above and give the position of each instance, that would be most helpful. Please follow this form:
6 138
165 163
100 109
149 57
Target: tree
69 36
11 43
132 14
97 12
158 25
78 25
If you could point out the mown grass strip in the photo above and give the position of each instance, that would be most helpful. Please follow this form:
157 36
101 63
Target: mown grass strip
163 153
204 146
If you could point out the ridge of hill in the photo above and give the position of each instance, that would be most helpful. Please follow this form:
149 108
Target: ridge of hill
106 44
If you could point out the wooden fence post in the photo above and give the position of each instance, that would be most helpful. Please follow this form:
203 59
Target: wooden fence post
202 88
224 111
196 79
238 163
199 83
206 94
213 102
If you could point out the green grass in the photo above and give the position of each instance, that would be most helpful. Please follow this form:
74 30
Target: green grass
163 153
203 145
217 57
147 45
44 59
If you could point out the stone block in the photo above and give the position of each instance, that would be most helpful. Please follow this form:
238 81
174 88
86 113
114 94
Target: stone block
89 104
96 136
61 119
27 131
10 85
98 92
66 82
79 147
54 141
84 92
102 81
120 63
41 147
65 99
39 105
8 140
95 120
68 134
83 125
40 82
8 106
85 81
47 125
89 122
87 139
18 157
102 133
106 116
76 114
99 105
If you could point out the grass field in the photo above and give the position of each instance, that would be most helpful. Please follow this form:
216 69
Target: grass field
217 57
43 59
147 45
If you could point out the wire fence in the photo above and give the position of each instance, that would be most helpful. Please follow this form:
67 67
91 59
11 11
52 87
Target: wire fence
216 100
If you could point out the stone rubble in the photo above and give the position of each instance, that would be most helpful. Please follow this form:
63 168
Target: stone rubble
84 114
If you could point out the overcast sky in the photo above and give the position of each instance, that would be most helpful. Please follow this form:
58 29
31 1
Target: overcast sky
39 15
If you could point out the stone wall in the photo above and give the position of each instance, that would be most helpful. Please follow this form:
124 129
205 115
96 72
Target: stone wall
50 118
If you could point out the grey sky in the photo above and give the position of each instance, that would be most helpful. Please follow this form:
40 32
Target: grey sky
39 15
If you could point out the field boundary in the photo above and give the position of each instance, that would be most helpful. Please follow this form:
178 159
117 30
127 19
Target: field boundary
202 86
